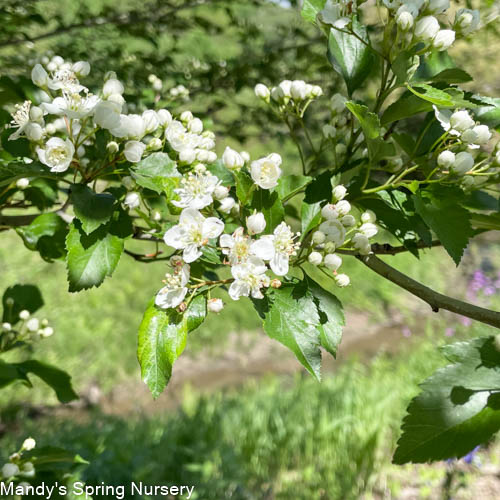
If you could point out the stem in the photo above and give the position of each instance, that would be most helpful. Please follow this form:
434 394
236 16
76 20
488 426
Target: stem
297 143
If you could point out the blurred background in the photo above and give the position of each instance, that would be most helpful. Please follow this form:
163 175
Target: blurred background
240 418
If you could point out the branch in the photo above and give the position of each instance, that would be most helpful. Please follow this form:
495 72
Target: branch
434 299
387 249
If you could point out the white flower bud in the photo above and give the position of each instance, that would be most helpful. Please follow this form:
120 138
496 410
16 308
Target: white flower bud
467 20
164 116
50 129
333 261
461 121
112 147
232 159
463 163
368 229
339 192
298 90
318 237
277 94
112 86
368 216
188 156
33 131
36 114
443 40
221 192
107 114
128 182
361 243
316 91
246 156
337 103
39 76
22 183
156 216
186 116
81 68
27 470
343 207
315 258
348 221
427 28
24 314
6 327
133 151
446 159
256 223
497 157
342 280
118 99
405 21
438 6
469 136
33 324
483 134
329 212
195 126
155 144
29 444
211 157
262 92
215 305
132 200
151 121
227 204
286 87
9 470
202 155
48 331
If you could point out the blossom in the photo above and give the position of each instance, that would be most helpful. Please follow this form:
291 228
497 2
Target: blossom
461 121
256 223
33 324
151 120
215 305
318 237
277 248
463 163
112 86
249 278
427 28
299 90
334 231
443 40
368 216
261 91
361 243
405 20
173 293
164 116
342 280
57 154
236 246
130 126
132 200
179 138
193 232
329 212
134 150
9 470
39 76
368 229
227 204
29 444
446 159
438 6
266 171
65 80
20 119
315 258
333 261
339 192
72 105
81 68
232 159
467 20
196 190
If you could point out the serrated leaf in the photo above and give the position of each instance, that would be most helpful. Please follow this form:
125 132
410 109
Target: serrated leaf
90 258
196 312
288 185
222 173
408 105
24 297
311 8
270 205
91 209
162 338
452 75
244 186
454 412
310 217
293 320
157 172
349 56
11 171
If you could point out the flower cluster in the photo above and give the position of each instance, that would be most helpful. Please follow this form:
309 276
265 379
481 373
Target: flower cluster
27 328
17 467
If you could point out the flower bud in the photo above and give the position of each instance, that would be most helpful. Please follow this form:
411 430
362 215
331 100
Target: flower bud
329 212
368 216
333 261
262 92
133 151
186 116
27 470
112 86
467 20
469 136
232 159
463 163
9 470
107 114
438 6
215 305
286 87
81 68
337 103
446 159
329 131
316 91
256 223
24 314
195 126
405 21
330 247
298 90
461 121
468 181
48 331
348 221
427 28
29 444
339 192
6 327
276 283
39 76
202 155
33 131
368 229
343 207
36 114
156 215
33 324
112 147
188 156
318 237
361 243
132 200
164 117
342 280
221 192
315 258
22 183
155 144
340 149
211 157
227 204
483 134
443 40
246 156
151 121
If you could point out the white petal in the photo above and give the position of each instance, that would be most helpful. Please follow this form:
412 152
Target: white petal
263 248
212 227
257 265
191 216
226 240
279 264
174 237
239 289
167 299
191 253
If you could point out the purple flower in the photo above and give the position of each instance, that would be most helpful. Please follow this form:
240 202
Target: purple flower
489 290
449 332
465 321
470 456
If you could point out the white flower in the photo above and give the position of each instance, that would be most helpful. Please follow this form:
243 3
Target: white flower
236 246
195 125
29 444
318 238
426 28
155 144
9 470
249 278
256 223
333 261
24 314
348 221
215 305
20 119
164 116
342 280
132 200
72 105
39 76
334 231
315 258
175 290
438 6
299 90
261 91
232 159
66 81
151 121
193 232
81 68
266 171
130 126
343 207
112 86
405 21
186 116
361 243
179 138
134 150
47 332
33 132
286 87
246 156
33 324
277 248
463 163
330 212
196 190
112 147
57 154
27 470
188 156
315 91
220 192
227 204
443 40
461 121
470 137
6 327
368 216
368 229
483 134
446 159
339 192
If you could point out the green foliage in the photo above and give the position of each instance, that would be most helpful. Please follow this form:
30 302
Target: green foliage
18 298
157 172
91 209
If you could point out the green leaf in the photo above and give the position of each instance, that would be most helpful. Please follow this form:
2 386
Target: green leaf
310 216
270 205
91 257
432 95
452 75
221 172
162 338
349 56
49 458
157 172
196 312
11 171
289 185
408 105
24 297
244 186
320 189
455 410
47 235
448 220
55 378
92 209
311 8
293 320
331 316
